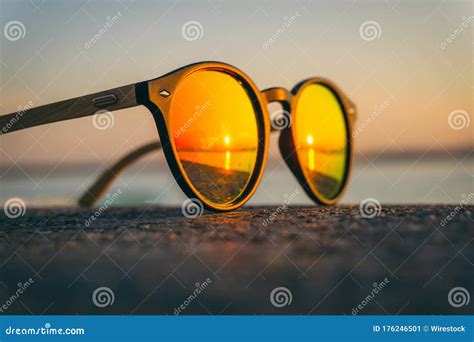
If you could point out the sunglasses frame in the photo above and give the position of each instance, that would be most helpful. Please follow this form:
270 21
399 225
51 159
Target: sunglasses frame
148 94
286 141
156 96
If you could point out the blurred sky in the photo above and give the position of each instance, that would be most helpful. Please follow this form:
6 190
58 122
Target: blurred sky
409 68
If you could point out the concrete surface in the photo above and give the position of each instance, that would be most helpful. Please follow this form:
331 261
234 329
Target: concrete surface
153 260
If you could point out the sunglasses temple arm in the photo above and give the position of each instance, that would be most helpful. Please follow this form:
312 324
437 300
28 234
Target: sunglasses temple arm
98 189
28 116
106 179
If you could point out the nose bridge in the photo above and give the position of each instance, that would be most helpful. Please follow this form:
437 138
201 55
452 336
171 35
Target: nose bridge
278 94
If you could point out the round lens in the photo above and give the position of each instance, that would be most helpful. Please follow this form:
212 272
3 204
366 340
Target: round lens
320 135
215 134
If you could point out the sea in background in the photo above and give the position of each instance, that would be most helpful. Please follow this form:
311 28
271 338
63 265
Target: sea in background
423 178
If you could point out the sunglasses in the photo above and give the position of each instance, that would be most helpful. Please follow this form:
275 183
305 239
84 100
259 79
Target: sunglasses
214 129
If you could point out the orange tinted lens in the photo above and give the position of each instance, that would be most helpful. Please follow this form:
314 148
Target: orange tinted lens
321 139
215 134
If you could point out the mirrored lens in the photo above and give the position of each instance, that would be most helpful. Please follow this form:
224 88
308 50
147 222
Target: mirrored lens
321 139
215 134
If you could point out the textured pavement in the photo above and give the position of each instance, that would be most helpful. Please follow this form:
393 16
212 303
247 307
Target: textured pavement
153 260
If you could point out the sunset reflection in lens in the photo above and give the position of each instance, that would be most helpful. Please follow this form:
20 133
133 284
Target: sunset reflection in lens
321 139
215 134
